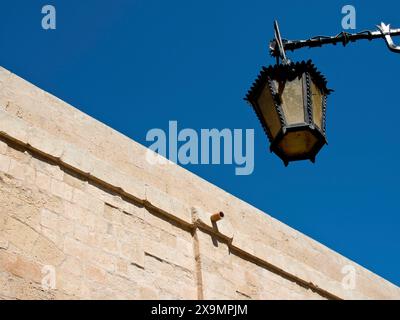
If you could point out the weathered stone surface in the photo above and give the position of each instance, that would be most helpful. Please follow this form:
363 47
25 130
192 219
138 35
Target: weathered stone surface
4 163
3 147
20 266
168 204
77 158
13 127
44 142
19 234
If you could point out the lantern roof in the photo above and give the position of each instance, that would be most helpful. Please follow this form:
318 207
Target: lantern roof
287 72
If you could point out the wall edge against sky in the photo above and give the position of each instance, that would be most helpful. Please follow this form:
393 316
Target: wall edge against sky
17 125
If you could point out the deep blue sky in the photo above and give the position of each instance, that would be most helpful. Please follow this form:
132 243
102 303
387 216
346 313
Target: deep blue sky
136 64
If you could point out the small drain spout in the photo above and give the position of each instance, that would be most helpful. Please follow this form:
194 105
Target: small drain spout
217 216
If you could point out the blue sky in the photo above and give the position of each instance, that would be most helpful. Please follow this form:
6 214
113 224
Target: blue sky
137 64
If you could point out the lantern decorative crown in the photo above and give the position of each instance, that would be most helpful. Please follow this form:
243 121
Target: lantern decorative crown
290 102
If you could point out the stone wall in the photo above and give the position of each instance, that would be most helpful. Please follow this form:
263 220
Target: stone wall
80 199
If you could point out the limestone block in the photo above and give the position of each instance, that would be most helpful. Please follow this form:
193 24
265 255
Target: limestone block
3 243
133 187
20 266
133 252
84 234
138 274
71 265
72 211
122 233
3 147
94 273
22 157
52 236
167 254
155 222
21 171
77 158
4 163
105 172
314 277
121 268
43 181
132 213
103 260
14 287
74 181
53 204
49 219
112 214
185 246
61 189
3 220
19 234
76 249
70 284
103 226
169 205
47 252
13 127
107 243
168 239
64 226
87 201
45 143
210 294
200 216
4 76
147 293
214 282
47 168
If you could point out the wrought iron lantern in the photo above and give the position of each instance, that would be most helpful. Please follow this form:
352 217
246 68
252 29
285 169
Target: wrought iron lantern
290 102
290 98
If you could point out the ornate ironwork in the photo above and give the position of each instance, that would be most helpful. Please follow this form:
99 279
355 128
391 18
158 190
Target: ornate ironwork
278 45
308 101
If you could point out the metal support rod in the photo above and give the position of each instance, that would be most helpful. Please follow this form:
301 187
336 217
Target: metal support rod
384 31
279 44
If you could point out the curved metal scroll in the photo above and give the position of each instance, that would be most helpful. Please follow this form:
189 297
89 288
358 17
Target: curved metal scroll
386 32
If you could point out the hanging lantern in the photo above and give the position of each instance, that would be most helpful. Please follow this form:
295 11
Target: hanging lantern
290 102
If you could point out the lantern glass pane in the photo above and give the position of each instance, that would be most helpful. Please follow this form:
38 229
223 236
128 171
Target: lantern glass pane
292 101
298 143
269 112
317 104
